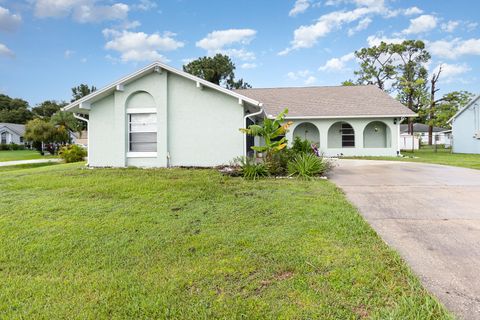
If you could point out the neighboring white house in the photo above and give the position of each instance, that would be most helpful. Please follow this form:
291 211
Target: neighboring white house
420 132
11 133
160 116
466 128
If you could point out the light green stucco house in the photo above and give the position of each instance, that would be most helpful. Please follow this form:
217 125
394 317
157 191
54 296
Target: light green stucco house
160 116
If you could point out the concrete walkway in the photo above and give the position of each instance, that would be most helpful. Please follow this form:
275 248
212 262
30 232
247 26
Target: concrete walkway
14 163
431 215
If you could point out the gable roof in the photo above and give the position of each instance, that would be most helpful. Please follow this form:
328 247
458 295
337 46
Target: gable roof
106 91
468 105
15 127
329 102
420 127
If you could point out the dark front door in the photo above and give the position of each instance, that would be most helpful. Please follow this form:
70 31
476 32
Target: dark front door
250 140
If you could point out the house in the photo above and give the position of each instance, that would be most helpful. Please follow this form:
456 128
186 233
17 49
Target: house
80 138
420 131
466 128
160 116
11 133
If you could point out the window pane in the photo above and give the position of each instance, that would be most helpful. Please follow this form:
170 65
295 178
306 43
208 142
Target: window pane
143 137
143 147
143 122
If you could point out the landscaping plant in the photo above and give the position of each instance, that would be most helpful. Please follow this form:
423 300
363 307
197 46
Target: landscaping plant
307 165
72 153
250 169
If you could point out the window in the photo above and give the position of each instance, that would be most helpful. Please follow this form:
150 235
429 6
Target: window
21 139
4 137
348 136
142 132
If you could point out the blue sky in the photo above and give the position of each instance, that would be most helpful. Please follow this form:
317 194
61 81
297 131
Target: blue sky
49 46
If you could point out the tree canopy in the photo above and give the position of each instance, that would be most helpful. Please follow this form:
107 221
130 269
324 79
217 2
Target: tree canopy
47 109
81 91
218 69
14 110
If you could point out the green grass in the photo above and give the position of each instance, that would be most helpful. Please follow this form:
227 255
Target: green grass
27 166
428 155
193 244
21 155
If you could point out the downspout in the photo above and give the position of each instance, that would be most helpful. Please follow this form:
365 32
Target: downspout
245 135
398 135
88 135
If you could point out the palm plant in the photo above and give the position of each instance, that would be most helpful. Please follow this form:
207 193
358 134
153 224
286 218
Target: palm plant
270 130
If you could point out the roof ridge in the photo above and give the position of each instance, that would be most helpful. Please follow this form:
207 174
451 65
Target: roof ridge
307 87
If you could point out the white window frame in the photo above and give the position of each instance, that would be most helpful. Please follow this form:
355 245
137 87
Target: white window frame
131 154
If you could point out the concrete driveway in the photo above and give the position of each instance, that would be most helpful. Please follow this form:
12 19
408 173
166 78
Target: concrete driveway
431 215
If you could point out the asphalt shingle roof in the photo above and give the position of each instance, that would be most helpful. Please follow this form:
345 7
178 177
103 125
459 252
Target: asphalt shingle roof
327 101
18 128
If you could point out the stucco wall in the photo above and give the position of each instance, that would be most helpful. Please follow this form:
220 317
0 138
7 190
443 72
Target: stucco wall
464 128
195 127
359 125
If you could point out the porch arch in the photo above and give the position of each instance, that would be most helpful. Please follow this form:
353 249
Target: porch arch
341 135
376 135
307 131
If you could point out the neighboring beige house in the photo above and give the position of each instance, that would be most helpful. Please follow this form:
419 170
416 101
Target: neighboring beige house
11 133
160 116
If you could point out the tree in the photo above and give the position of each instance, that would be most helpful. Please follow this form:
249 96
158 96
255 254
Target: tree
377 65
411 83
14 110
433 102
39 132
81 91
66 124
218 69
348 83
447 106
47 109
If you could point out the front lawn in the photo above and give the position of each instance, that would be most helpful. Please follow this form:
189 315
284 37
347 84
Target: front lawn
13 155
193 244
442 156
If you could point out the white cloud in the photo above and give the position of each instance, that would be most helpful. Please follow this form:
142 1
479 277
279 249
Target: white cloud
5 51
306 36
145 5
412 11
453 49
220 41
8 20
248 65
306 76
362 25
451 70
450 26
337 64
139 46
421 24
310 80
68 53
82 11
300 6
375 40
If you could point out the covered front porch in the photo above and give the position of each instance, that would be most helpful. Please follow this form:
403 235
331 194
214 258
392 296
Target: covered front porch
349 137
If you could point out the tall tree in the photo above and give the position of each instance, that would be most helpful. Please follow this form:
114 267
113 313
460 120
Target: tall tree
218 69
447 106
47 109
411 82
433 103
377 65
14 110
81 91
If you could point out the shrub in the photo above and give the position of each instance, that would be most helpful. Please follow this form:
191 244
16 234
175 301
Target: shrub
11 146
301 146
277 165
307 165
250 169
72 153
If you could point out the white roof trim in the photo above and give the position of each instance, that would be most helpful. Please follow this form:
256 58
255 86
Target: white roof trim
463 109
151 68
347 116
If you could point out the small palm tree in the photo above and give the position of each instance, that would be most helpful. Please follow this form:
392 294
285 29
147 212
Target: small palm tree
270 130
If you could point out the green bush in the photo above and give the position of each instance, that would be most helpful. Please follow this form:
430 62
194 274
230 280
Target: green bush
307 165
301 146
72 153
11 146
250 169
